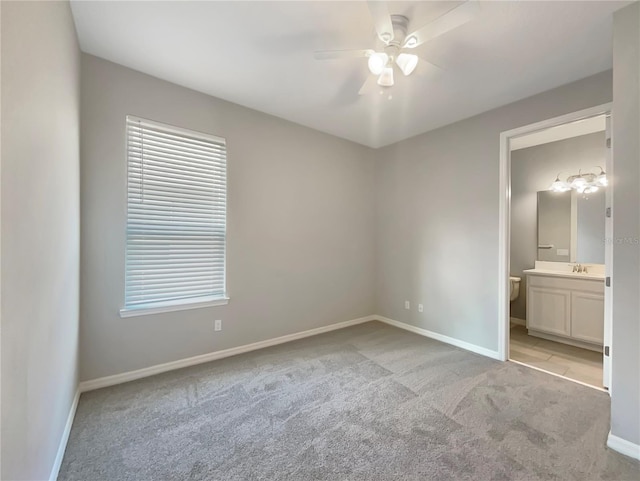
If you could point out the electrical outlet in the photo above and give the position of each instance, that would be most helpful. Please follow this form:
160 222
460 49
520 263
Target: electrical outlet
217 325
407 305
420 308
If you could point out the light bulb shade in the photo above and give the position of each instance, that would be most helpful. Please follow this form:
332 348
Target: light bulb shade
377 62
602 180
407 62
579 182
559 186
590 189
386 77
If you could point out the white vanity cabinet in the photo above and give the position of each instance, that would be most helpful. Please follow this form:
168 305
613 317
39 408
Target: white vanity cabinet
567 309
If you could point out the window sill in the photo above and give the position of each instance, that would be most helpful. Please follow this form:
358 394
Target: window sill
145 311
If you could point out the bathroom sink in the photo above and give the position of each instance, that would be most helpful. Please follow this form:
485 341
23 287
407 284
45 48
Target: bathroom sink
566 269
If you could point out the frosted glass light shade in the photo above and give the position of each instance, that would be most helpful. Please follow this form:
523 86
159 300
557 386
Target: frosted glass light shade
559 186
579 182
386 77
407 62
377 62
602 180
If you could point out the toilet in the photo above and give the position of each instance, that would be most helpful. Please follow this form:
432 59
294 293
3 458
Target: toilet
515 288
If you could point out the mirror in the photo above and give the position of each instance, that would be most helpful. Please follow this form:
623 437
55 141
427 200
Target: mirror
571 226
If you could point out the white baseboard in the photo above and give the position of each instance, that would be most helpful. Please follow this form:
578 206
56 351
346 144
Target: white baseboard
212 356
65 438
517 321
623 446
441 337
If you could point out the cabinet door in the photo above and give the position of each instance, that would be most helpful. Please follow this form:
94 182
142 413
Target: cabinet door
549 310
587 316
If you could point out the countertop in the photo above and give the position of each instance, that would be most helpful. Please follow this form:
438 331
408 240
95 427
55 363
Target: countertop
571 275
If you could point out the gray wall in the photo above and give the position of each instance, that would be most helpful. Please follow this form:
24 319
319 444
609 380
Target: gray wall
300 225
625 401
532 170
437 218
40 232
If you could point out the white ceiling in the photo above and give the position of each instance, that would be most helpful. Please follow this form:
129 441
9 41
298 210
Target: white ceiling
260 55
561 132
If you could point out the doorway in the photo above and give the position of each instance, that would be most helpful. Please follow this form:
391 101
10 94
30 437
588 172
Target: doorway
555 303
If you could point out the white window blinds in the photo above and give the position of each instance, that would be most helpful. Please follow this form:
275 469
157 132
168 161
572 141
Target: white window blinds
176 216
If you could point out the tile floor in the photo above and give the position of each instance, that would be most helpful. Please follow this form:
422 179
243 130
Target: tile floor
573 362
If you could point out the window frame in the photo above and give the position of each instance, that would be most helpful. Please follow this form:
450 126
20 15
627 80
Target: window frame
176 304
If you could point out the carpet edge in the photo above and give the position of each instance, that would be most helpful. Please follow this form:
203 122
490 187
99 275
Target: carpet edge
121 378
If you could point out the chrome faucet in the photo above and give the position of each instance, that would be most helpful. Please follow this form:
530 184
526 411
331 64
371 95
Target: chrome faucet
579 268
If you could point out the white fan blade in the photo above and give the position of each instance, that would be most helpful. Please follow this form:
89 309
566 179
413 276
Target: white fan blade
381 19
427 69
370 86
450 20
333 54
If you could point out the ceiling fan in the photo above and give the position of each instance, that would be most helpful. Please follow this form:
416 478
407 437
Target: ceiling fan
392 31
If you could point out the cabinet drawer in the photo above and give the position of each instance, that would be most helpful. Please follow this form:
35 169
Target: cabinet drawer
566 283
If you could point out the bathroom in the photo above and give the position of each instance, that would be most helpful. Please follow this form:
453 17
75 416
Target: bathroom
559 189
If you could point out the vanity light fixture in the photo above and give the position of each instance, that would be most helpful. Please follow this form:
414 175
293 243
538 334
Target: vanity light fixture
586 183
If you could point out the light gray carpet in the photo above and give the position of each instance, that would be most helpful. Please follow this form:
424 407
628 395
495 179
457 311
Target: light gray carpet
370 402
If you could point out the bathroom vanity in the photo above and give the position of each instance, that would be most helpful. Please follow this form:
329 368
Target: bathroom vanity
566 306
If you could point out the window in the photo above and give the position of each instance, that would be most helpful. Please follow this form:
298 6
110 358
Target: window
176 218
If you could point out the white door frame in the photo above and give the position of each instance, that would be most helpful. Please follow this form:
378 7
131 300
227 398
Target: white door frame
504 234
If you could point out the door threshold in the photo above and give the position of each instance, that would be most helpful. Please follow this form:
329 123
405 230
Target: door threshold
560 376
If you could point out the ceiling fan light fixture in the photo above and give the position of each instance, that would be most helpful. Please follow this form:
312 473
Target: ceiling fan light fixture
386 77
393 31
377 62
407 62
